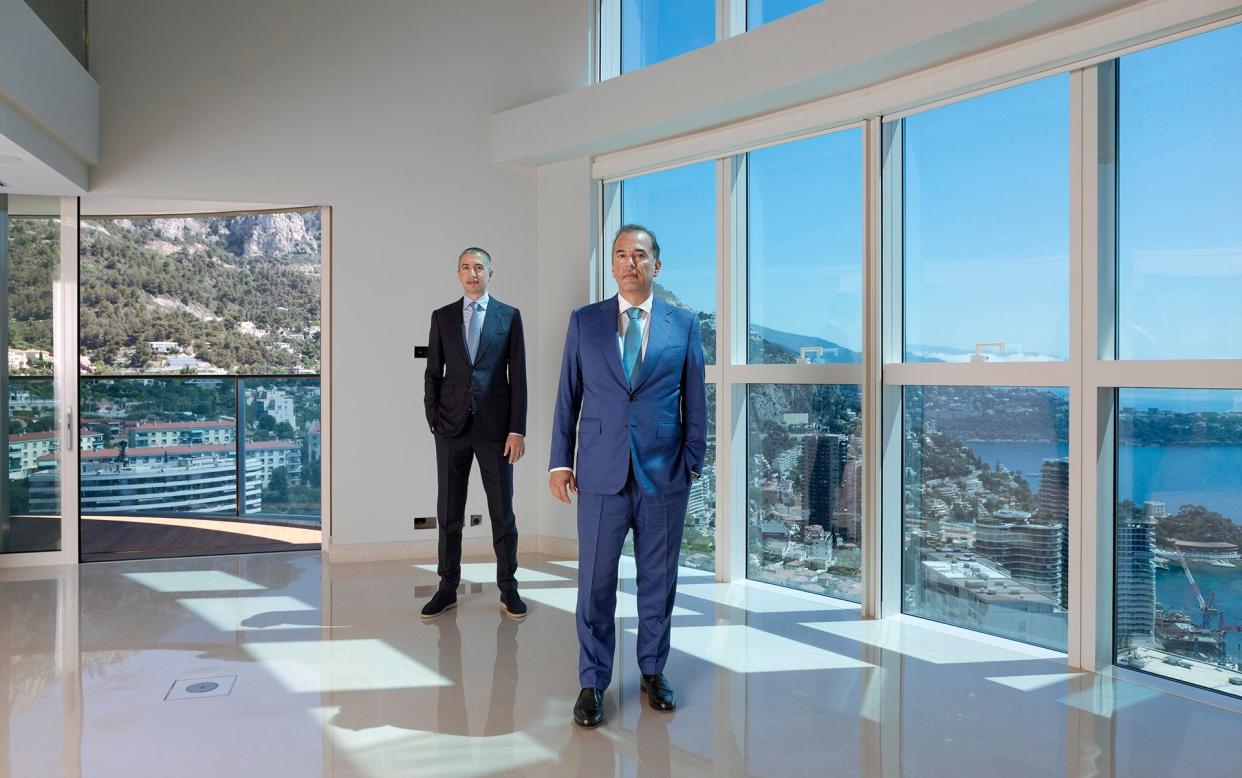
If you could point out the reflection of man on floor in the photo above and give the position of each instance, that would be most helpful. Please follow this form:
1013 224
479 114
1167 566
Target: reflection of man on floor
451 711
632 406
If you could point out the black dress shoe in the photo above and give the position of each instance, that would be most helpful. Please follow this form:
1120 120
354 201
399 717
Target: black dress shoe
659 693
589 709
442 601
511 605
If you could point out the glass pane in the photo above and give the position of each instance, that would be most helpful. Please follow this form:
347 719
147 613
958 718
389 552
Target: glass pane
655 30
986 226
1179 527
679 205
1179 236
157 447
985 507
804 237
283 436
34 457
67 21
159 472
804 487
698 544
218 295
28 408
760 12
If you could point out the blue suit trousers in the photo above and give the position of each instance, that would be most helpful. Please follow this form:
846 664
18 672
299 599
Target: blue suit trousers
658 522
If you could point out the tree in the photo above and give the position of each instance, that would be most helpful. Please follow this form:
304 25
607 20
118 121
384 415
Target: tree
278 487
142 355
19 496
310 473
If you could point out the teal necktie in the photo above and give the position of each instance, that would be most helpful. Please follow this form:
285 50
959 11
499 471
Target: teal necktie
472 334
631 355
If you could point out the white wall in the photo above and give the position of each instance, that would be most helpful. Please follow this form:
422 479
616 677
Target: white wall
381 110
565 247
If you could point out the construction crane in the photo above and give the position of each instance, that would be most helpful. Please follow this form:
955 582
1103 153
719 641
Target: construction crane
1205 606
1208 610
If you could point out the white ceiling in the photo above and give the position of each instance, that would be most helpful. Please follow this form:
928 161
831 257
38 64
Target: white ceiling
28 174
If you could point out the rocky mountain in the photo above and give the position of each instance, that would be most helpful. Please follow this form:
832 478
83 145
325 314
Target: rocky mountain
261 235
231 294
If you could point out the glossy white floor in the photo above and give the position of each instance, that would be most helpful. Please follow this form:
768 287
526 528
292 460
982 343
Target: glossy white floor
327 670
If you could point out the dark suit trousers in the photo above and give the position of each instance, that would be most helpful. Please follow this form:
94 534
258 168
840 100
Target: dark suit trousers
454 457
658 522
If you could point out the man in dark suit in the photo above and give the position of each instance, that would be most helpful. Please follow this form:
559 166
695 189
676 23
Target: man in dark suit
475 394
633 400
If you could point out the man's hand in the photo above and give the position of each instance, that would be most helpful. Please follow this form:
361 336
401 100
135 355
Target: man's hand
515 447
562 483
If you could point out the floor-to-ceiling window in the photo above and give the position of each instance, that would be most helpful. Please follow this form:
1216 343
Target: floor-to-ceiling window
30 238
199 389
802 210
980 231
1178 433
679 206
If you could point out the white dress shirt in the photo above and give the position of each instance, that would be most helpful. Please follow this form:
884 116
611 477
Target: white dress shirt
623 321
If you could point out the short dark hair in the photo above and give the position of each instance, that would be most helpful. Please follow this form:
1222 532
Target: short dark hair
476 250
655 244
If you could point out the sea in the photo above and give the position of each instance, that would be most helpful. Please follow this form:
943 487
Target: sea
1210 476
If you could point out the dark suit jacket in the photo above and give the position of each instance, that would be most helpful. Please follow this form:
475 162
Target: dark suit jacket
495 383
660 425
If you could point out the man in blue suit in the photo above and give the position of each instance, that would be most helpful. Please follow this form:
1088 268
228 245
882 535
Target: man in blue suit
632 405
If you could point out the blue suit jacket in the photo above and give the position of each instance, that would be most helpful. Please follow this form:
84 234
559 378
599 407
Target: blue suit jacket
660 426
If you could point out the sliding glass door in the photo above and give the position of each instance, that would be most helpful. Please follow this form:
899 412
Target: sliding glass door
199 379
34 426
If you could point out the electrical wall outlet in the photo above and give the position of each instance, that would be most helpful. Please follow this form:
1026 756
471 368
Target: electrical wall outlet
424 522
476 519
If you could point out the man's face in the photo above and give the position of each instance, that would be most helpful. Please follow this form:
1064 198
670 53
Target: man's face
633 267
474 273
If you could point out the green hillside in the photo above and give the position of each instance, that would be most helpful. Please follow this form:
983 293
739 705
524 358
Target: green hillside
238 294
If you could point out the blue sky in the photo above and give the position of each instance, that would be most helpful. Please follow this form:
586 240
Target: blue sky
679 206
763 11
987 221
805 237
655 30
1180 199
